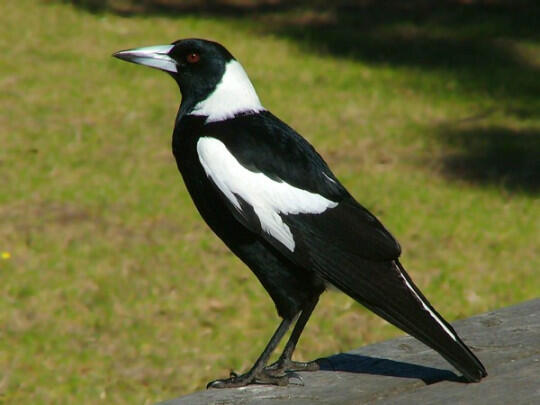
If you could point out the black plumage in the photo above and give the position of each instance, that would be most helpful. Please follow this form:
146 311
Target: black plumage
266 192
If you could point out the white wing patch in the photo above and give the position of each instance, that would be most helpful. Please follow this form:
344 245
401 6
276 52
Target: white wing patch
269 198
234 94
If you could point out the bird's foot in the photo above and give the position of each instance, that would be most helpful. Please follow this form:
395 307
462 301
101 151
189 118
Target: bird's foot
263 377
283 366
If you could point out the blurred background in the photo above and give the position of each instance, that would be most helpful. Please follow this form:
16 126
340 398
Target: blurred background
113 289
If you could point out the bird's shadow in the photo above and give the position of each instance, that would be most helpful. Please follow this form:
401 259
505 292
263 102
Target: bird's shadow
356 363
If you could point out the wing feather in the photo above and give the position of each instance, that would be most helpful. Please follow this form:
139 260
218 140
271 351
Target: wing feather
286 187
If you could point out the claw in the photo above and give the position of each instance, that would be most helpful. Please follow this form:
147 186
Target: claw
215 384
295 377
270 377
283 366
232 382
280 380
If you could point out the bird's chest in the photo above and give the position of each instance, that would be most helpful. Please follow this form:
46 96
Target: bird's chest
203 193
184 147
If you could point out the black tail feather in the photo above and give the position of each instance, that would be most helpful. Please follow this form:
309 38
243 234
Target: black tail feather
449 345
386 289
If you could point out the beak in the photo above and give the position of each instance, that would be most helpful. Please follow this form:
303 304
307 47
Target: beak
153 56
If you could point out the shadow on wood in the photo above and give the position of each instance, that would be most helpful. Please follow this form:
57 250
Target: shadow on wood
356 363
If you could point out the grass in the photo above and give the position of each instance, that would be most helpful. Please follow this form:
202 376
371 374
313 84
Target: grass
111 287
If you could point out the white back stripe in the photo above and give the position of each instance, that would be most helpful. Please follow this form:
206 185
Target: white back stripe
433 315
233 95
269 198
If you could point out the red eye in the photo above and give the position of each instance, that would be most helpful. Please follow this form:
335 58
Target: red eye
193 57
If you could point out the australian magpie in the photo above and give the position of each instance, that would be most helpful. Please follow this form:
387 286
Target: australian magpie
271 198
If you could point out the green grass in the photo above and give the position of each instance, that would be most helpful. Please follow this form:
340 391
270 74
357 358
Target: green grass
116 291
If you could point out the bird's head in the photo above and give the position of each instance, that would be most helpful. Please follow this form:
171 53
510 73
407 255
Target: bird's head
212 82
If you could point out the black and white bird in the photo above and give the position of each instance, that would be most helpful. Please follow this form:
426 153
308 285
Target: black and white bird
271 198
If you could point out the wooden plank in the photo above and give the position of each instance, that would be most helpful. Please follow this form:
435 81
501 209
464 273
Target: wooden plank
404 371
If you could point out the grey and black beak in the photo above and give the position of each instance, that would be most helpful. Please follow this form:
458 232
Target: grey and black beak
153 56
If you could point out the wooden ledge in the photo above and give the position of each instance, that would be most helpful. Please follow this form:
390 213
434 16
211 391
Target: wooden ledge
404 371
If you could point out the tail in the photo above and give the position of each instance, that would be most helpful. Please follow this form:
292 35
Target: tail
387 290
417 317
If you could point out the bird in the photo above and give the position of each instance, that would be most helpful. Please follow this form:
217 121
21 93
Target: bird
272 199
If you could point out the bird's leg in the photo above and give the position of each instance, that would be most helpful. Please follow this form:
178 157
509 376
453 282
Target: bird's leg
285 362
257 374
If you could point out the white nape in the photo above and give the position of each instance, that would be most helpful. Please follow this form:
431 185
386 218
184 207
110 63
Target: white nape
426 307
234 94
269 198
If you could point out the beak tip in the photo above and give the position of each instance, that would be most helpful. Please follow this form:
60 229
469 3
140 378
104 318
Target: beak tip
119 55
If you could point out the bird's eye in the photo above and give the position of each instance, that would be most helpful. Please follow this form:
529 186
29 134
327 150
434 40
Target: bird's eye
193 57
